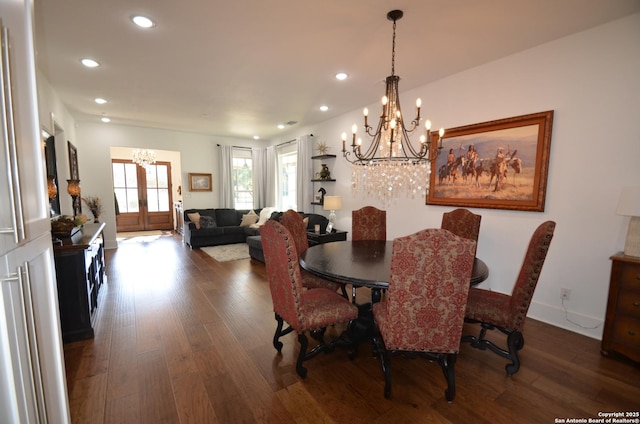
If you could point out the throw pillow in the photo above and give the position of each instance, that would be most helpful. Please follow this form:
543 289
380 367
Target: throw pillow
207 222
249 219
265 214
306 222
195 218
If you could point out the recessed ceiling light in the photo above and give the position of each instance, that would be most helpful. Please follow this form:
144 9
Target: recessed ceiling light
89 63
100 100
105 119
324 108
280 126
143 21
341 76
256 137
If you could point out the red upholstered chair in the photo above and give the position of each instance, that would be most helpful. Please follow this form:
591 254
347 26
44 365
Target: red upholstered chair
310 310
424 308
293 222
462 222
369 223
507 313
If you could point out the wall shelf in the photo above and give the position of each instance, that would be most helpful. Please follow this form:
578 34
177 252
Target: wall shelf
320 180
323 157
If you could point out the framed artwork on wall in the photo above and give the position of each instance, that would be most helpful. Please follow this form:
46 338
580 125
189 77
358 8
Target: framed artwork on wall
500 164
200 182
73 161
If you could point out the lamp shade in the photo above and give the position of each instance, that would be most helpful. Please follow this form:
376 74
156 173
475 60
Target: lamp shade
73 187
629 203
332 203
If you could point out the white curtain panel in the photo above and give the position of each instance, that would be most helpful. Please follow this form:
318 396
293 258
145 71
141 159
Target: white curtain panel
304 190
259 158
225 176
270 176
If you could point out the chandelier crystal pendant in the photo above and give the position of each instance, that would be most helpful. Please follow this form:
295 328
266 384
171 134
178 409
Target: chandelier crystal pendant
144 157
392 165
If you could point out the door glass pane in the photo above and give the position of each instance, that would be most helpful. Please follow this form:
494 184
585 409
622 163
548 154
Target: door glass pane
152 200
163 200
131 174
163 176
152 180
118 175
132 200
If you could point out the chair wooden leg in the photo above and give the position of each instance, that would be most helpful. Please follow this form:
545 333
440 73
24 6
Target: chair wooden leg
385 361
515 341
448 362
279 333
304 342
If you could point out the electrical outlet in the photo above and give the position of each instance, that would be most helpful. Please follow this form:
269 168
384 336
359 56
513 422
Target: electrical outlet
565 294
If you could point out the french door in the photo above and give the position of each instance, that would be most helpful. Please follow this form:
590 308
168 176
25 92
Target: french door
143 196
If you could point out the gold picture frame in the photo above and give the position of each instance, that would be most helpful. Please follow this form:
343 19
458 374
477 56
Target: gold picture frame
200 182
512 178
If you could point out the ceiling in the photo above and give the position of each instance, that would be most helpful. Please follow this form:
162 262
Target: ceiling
238 68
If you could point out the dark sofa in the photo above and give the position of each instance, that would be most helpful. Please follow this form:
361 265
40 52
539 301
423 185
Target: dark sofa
255 241
225 230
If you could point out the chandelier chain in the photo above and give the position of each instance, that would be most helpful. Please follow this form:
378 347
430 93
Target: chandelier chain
393 50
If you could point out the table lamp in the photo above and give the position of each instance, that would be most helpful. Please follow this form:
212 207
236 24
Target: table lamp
333 204
73 188
629 205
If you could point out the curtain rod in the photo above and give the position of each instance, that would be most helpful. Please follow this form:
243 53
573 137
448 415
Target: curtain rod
286 142
239 147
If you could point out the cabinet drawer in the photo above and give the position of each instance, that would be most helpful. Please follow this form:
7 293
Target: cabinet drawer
630 276
627 331
629 302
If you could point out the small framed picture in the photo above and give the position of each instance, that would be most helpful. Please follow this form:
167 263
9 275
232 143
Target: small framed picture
200 182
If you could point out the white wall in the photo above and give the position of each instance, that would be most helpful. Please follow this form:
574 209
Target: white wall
592 81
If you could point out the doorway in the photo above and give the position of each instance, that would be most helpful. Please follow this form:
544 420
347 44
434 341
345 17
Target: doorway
142 195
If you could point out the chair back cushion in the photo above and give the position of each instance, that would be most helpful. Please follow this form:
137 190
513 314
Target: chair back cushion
427 295
369 223
522 292
283 272
463 223
294 222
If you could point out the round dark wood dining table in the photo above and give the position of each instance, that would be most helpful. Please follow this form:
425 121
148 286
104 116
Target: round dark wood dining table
363 263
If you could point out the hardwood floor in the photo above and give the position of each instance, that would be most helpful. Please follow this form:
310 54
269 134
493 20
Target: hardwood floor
181 338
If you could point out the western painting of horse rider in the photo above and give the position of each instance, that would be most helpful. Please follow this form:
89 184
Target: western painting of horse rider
499 164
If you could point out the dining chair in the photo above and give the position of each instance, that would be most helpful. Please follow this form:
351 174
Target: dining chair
294 222
423 313
369 223
507 313
463 223
304 310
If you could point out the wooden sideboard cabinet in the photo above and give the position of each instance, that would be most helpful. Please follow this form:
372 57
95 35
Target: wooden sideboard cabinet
80 272
622 323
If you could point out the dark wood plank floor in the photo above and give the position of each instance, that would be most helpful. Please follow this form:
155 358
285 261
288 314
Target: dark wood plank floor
181 338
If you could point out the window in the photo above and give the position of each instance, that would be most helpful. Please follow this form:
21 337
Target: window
242 179
287 166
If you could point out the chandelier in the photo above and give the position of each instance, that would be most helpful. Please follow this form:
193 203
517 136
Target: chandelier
144 157
392 165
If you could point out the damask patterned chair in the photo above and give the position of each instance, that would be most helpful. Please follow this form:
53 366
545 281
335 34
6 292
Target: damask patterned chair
463 223
304 310
368 223
423 313
293 222
507 313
